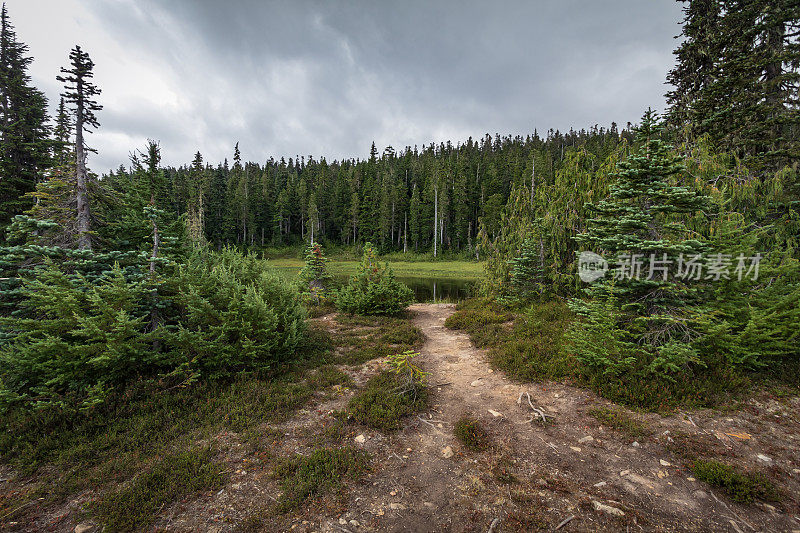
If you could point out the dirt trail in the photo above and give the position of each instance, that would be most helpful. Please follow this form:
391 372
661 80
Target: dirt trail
574 466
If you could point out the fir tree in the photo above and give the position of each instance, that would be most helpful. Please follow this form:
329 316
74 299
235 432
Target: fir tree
80 93
24 143
639 224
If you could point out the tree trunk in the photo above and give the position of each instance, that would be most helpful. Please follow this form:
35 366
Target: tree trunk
405 232
533 178
84 239
435 218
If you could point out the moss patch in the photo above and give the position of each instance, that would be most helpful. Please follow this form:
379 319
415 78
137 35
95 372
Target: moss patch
174 476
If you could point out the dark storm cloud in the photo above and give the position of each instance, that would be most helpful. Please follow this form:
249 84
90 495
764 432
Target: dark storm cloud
328 78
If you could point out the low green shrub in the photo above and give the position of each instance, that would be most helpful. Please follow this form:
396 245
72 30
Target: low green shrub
621 421
324 469
533 348
74 342
134 506
471 434
739 485
373 290
386 398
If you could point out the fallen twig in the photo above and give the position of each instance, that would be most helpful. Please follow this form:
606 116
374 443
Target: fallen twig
423 420
537 410
566 521
493 525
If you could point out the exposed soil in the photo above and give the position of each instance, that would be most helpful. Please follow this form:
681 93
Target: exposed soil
535 476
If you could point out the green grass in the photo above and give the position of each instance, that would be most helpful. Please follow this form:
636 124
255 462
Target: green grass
386 399
740 485
174 476
483 319
462 270
361 339
323 470
471 434
621 421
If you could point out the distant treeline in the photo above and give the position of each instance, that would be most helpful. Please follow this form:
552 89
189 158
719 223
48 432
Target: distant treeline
436 198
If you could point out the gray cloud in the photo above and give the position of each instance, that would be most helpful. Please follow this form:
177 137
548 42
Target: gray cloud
328 78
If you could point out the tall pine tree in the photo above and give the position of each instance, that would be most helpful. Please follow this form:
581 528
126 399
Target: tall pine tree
24 143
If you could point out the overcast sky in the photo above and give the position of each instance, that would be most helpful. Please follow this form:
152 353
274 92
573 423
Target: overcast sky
327 78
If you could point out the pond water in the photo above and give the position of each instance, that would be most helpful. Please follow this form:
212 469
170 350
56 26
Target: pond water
434 289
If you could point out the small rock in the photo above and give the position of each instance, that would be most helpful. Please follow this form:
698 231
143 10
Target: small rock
664 463
690 479
475 383
624 472
764 458
700 494
490 370
601 484
447 452
575 448
635 444
85 527
603 508
361 439
428 505
495 413
354 523
584 440
408 449
342 521
397 507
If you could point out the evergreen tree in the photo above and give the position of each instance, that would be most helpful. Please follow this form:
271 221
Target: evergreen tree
639 227
314 277
80 92
737 78
24 143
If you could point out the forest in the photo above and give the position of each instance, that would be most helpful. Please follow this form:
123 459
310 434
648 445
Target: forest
150 290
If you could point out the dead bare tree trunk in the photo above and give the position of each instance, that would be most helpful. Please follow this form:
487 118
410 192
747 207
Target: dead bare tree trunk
83 219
